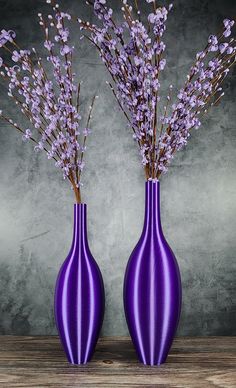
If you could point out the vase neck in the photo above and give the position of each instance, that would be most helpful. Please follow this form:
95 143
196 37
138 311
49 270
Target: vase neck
80 225
152 220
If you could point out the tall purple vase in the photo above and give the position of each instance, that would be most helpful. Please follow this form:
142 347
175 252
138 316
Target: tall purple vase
79 296
152 287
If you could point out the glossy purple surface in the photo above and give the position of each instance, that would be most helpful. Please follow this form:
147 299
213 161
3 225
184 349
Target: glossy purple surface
152 287
79 296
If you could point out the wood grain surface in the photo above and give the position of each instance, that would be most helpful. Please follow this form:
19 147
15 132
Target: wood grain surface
193 362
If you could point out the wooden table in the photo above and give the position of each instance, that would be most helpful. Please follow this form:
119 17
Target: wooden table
193 362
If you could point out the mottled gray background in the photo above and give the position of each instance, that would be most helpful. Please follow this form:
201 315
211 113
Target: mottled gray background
198 194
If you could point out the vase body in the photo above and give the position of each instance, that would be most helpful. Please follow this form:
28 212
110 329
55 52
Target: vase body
152 287
79 296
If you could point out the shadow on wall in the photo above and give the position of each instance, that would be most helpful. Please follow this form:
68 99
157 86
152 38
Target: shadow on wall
26 297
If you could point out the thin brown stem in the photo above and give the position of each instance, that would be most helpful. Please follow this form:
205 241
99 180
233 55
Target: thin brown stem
76 190
87 127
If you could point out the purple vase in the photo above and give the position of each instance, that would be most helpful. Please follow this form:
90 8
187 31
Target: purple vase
79 296
152 287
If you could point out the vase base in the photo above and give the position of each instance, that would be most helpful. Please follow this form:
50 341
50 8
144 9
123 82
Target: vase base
154 363
79 362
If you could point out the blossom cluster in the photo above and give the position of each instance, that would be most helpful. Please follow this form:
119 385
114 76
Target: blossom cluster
51 104
202 90
133 52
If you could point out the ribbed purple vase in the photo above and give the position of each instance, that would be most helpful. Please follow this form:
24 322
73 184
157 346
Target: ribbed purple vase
79 296
152 287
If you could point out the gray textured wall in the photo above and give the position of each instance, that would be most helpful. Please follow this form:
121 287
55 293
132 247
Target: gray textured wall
198 194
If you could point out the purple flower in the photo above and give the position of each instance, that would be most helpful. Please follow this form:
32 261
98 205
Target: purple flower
213 40
228 24
162 64
223 47
65 50
86 131
16 56
48 45
27 135
6 36
81 165
66 16
39 147
21 55
152 18
138 61
230 50
227 32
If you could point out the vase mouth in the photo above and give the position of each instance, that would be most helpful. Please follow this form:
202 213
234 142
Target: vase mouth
152 181
79 205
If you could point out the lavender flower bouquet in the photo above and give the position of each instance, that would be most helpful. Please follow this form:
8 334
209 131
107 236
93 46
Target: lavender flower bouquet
51 105
133 53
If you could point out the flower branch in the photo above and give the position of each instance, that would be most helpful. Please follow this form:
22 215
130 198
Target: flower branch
50 103
133 54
